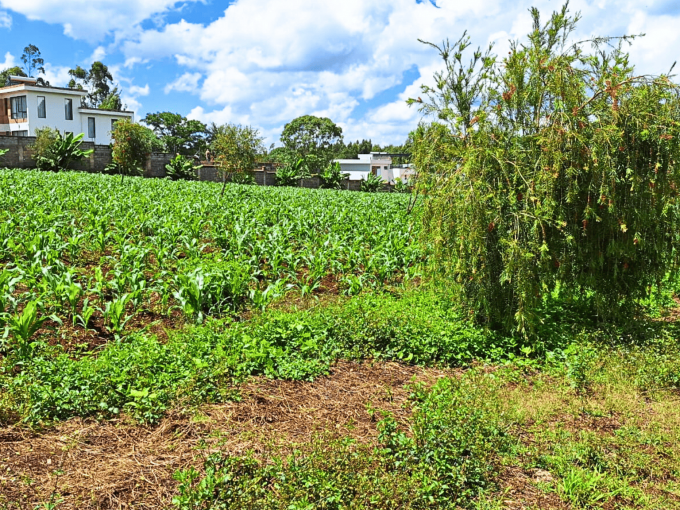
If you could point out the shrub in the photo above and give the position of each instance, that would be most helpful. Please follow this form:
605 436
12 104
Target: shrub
290 173
555 167
181 168
236 147
131 147
372 183
332 176
401 187
54 152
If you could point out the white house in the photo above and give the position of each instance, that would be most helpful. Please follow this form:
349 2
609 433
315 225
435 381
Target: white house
375 163
26 107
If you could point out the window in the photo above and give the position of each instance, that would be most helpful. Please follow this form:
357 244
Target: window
91 131
20 133
113 123
42 113
68 107
18 105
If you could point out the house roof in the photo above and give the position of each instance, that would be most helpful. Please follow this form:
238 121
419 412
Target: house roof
101 110
36 88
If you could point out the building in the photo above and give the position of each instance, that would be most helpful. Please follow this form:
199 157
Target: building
25 107
376 163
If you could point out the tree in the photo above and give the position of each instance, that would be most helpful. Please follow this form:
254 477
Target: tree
34 62
553 169
11 71
99 83
131 147
311 138
178 134
236 148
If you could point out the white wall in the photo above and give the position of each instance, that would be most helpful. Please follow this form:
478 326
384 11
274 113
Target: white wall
102 121
55 116
55 112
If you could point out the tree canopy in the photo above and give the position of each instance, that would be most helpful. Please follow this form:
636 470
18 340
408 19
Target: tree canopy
178 134
553 169
311 138
98 81
236 148
10 71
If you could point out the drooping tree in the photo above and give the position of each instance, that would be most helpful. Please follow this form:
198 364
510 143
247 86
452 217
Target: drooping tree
553 168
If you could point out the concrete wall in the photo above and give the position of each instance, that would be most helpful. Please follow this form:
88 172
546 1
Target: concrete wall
20 156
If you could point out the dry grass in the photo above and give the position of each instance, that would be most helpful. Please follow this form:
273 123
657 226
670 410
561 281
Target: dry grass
118 464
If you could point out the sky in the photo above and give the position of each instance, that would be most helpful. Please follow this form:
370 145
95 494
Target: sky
266 62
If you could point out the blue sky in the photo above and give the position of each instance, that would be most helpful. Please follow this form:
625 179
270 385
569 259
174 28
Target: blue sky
265 62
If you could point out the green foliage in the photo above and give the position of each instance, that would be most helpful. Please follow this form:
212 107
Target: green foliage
23 327
332 176
372 183
178 135
400 186
236 148
197 364
131 147
181 168
311 138
444 463
290 173
99 82
10 71
243 178
54 152
33 62
556 166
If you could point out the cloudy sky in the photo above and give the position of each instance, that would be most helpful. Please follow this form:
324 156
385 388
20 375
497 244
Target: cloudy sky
265 62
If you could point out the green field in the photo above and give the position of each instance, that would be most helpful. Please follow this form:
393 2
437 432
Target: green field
284 348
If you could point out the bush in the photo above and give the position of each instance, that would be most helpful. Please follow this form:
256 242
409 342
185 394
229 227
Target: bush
236 147
131 147
290 173
555 168
54 152
181 168
332 176
372 183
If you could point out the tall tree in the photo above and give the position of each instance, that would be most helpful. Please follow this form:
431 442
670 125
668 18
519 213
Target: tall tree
311 138
178 134
33 62
98 81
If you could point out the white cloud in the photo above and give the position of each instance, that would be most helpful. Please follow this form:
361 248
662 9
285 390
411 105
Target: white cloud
5 20
92 21
135 90
264 62
97 55
188 82
10 61
57 75
327 58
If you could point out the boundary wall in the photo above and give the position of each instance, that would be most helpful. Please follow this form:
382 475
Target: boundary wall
20 155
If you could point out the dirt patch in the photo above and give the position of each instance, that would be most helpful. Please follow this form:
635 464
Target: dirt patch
519 489
117 464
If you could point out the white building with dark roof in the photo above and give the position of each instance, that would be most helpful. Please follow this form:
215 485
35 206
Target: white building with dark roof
26 106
